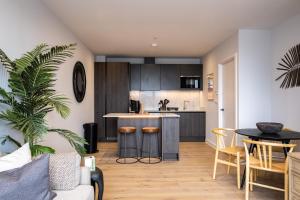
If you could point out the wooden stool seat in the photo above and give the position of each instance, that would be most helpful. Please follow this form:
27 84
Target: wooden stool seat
127 129
150 130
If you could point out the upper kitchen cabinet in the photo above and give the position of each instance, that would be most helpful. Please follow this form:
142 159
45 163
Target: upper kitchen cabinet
135 77
150 77
191 76
191 70
170 77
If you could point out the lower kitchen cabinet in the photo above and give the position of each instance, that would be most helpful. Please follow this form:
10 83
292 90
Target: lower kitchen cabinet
192 126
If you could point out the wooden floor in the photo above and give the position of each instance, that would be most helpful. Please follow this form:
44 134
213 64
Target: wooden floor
190 178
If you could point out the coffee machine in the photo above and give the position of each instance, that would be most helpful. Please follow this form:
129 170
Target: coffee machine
135 106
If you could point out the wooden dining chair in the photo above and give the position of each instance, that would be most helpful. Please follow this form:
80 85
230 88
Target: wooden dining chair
231 151
264 161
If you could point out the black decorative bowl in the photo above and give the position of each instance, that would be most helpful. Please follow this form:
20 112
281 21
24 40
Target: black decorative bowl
269 127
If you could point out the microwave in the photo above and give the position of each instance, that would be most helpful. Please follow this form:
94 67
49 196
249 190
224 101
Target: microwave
192 82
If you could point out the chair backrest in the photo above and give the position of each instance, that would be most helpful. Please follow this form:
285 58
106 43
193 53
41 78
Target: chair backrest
264 151
221 133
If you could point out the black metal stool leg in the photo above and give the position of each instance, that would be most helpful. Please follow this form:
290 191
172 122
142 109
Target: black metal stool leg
136 146
142 148
149 147
125 153
123 159
157 140
147 158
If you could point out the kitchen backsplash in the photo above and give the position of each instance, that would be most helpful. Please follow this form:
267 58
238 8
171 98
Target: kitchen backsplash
150 99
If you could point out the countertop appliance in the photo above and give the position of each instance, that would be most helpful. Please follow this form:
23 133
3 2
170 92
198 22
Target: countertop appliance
135 106
172 108
192 82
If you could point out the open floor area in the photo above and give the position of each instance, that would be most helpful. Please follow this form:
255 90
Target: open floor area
149 100
189 178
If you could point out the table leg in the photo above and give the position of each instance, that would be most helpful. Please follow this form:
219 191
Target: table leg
285 150
251 149
97 178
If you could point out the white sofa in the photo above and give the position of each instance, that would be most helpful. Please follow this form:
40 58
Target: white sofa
84 191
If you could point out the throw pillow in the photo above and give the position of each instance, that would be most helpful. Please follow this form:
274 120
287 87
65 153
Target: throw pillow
16 159
30 182
64 169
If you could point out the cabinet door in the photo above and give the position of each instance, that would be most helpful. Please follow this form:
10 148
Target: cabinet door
192 126
135 77
117 94
170 77
185 126
99 91
150 77
191 70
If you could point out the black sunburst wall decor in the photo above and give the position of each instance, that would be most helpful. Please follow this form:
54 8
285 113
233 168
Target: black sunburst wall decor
290 66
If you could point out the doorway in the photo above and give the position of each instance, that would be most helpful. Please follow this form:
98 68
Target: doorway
227 95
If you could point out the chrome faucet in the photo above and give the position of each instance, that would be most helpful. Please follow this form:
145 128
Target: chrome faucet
185 104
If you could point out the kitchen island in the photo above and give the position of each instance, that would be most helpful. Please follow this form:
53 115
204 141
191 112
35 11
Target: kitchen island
168 123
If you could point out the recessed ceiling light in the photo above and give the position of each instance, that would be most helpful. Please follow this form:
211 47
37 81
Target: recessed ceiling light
154 44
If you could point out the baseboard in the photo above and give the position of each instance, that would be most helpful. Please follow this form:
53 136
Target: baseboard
192 138
210 143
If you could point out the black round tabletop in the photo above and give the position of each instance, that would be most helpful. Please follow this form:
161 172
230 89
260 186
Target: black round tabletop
256 134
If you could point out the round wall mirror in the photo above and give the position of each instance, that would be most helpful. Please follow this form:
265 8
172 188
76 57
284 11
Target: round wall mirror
79 81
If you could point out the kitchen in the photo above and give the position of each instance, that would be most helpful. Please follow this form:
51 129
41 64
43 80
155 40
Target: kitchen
150 89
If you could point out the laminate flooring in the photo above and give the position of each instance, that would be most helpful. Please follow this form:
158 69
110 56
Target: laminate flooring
190 178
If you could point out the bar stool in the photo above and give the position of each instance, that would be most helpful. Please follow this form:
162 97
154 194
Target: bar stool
124 131
150 132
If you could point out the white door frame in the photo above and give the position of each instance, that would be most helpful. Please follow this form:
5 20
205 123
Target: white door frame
233 58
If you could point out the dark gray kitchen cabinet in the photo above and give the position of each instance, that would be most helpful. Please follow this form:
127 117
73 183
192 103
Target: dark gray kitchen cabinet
192 126
111 96
150 77
135 77
191 70
99 103
117 94
170 77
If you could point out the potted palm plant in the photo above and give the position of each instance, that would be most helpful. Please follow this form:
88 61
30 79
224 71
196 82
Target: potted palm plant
32 96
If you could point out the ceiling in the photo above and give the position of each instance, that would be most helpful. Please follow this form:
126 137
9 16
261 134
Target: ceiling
181 28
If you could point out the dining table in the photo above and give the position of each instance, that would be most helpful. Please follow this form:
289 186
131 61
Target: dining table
284 136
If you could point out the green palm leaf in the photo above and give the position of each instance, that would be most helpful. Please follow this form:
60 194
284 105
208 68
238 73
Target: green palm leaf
39 149
32 96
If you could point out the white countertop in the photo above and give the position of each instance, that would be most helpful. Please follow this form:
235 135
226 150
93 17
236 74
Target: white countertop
140 116
178 111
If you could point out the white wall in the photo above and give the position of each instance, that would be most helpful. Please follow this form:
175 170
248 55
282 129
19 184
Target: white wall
28 23
210 62
254 74
285 102
253 48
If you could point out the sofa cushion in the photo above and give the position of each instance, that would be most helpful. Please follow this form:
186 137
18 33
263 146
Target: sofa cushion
81 192
64 169
16 159
30 182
